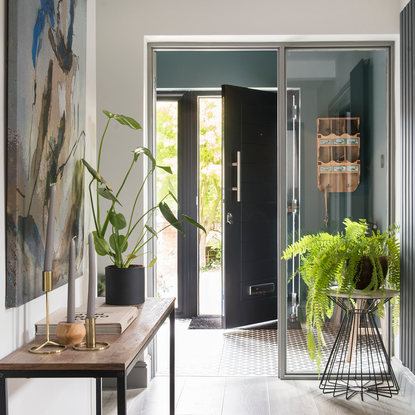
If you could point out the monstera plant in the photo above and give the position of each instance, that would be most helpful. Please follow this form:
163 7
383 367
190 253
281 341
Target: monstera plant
114 231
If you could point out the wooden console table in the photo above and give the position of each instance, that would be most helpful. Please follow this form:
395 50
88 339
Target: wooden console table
117 361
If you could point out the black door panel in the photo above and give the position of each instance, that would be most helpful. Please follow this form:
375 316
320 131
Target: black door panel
256 172
258 212
258 134
249 231
258 269
258 250
258 153
258 192
249 244
259 114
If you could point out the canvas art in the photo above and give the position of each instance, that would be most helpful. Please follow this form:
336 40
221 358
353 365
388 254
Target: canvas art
46 140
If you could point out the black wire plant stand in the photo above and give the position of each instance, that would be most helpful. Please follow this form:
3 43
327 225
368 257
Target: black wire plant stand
359 362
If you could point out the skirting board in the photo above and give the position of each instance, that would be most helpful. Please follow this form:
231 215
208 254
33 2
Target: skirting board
406 380
139 377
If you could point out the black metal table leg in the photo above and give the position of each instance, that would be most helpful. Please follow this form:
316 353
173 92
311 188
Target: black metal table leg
122 393
4 410
99 395
172 371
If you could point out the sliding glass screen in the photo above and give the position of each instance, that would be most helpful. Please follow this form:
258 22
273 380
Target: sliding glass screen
337 164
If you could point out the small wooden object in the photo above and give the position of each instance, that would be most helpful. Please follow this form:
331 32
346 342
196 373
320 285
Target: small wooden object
70 333
338 154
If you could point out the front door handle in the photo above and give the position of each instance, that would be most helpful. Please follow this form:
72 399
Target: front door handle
229 218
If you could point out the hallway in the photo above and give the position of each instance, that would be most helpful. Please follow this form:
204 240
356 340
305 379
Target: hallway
249 396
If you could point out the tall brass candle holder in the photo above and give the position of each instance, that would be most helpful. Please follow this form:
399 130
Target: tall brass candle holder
49 346
91 345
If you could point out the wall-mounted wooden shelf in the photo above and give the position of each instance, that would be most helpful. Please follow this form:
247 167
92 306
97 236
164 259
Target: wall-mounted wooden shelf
338 154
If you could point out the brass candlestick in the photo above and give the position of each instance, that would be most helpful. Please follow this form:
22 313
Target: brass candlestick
91 344
53 347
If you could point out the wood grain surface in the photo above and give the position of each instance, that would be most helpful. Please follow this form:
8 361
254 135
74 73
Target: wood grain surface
123 347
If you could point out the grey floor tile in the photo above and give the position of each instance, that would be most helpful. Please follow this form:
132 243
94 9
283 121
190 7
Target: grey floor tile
246 396
202 396
290 397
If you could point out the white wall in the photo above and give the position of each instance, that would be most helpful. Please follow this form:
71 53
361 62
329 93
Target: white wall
45 396
124 27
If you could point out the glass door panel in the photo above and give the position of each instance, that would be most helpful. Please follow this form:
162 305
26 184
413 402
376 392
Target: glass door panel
210 196
167 240
337 149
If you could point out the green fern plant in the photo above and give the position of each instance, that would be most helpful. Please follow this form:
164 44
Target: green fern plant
334 260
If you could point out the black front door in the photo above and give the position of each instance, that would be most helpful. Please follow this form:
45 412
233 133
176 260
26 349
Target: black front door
249 206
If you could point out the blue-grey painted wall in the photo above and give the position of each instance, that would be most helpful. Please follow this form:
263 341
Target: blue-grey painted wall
211 69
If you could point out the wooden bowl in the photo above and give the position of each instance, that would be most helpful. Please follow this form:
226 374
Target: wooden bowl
70 333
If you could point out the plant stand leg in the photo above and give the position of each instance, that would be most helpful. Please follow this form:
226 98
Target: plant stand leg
356 324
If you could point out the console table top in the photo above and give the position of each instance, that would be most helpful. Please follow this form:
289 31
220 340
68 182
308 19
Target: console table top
123 347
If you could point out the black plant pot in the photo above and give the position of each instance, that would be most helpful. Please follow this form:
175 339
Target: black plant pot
124 286
367 270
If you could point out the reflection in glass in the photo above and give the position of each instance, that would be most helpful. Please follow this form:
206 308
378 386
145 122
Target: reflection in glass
339 137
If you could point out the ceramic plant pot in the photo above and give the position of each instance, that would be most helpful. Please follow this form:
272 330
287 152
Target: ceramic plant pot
367 270
124 286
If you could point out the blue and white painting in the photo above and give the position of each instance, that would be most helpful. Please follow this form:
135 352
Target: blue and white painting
46 139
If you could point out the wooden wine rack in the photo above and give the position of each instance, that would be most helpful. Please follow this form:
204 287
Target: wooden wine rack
338 154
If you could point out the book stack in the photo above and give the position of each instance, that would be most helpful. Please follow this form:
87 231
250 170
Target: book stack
108 319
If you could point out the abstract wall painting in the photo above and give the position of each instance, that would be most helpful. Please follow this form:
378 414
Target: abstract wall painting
46 139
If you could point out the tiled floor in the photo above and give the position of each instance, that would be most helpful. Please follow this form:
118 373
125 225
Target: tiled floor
234 372
252 395
235 352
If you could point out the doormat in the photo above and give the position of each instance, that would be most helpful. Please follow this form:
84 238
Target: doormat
204 323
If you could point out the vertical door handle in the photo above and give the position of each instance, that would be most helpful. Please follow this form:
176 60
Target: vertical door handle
238 176
229 218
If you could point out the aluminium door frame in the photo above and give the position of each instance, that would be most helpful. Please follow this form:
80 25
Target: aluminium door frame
282 48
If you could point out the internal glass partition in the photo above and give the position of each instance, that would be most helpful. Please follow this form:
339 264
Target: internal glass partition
337 163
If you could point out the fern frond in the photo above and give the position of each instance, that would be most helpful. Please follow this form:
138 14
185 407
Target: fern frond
327 259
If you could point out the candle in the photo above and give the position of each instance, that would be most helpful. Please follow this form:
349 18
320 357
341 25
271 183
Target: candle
71 283
90 312
50 229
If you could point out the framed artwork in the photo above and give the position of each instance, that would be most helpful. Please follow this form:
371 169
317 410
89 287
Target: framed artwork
46 140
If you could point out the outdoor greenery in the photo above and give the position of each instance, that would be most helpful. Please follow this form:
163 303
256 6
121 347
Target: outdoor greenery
329 260
116 245
210 157
167 148
210 187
